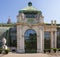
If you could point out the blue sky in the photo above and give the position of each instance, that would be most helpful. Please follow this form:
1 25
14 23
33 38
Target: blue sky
50 9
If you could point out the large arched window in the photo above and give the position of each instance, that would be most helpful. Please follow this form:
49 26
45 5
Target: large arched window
30 41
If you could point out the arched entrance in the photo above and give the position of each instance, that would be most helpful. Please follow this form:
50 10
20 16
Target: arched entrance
30 37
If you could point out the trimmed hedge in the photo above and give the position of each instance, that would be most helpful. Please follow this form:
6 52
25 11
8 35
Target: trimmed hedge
58 49
6 51
47 50
0 51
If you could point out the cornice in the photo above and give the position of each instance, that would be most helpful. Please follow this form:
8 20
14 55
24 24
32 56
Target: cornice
26 24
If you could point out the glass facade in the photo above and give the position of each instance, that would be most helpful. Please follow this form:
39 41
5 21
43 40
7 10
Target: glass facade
58 37
47 41
30 41
13 37
0 44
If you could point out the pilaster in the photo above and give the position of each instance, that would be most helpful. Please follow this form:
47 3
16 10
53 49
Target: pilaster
40 40
20 40
55 39
52 44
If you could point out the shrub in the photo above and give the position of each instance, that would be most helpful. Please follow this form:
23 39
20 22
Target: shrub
59 49
6 51
0 51
49 50
44 50
54 49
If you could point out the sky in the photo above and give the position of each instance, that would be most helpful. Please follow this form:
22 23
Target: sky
50 9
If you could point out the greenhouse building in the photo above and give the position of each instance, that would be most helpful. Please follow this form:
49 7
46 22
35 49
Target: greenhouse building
30 33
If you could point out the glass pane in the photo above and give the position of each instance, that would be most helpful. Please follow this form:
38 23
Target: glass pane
47 40
30 41
58 38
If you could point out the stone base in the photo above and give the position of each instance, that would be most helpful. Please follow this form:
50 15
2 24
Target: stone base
39 51
20 51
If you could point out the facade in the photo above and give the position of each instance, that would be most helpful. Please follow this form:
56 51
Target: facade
30 18
30 33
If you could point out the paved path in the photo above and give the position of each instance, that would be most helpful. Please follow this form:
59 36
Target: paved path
24 55
31 55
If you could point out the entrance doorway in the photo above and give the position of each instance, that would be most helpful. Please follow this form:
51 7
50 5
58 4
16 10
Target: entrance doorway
30 41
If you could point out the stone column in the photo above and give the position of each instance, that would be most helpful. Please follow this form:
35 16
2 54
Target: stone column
40 41
43 40
52 45
20 40
55 39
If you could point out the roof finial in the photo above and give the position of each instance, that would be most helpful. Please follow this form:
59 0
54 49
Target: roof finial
9 20
30 4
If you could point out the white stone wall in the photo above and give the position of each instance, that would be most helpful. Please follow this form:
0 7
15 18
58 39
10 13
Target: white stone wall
20 37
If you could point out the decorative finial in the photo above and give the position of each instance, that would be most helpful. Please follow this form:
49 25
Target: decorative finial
30 4
9 20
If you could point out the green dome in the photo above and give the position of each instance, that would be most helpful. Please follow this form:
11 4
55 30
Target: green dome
30 9
29 4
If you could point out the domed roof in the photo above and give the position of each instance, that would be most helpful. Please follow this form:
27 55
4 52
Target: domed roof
29 8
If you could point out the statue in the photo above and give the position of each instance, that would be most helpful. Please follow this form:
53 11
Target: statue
4 46
4 41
